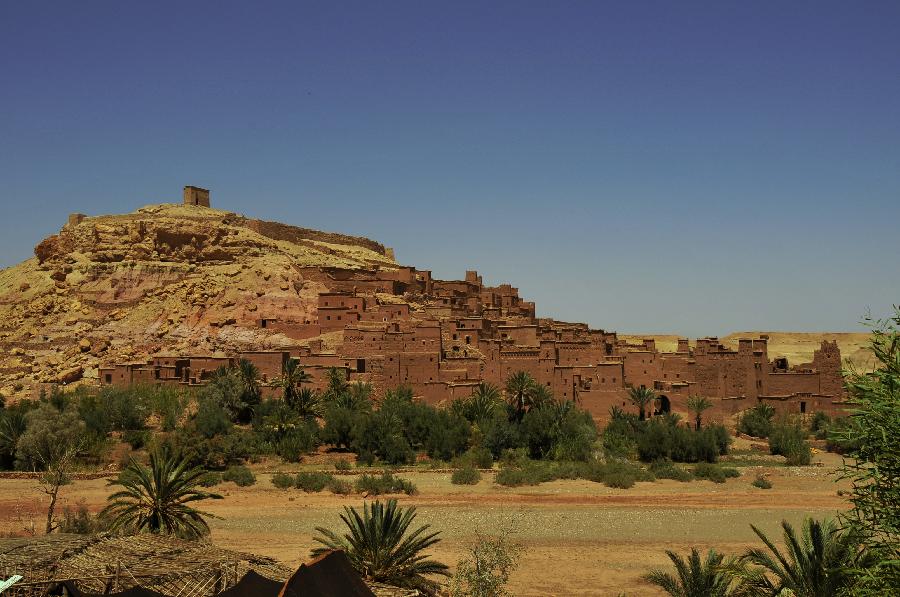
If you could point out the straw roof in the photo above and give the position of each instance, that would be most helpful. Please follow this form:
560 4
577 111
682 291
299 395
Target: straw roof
171 566
162 563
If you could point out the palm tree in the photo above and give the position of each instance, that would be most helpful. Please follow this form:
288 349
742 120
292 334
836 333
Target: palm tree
155 499
379 546
337 383
307 403
695 577
819 563
641 397
698 404
292 378
541 397
519 391
249 376
356 396
12 426
481 405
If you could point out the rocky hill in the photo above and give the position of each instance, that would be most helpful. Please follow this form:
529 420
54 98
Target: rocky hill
164 278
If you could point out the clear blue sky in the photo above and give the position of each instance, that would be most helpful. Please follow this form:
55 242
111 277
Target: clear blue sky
685 167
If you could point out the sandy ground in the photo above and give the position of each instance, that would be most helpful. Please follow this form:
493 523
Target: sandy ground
581 538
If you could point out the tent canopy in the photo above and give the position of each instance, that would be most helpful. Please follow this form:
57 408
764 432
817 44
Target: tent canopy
329 575
253 585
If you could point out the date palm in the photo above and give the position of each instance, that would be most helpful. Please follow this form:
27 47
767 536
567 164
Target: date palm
817 563
381 547
520 389
698 404
155 499
641 397
481 405
292 379
696 577
249 375
307 403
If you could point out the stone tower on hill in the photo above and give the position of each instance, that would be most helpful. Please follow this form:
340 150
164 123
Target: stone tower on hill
196 196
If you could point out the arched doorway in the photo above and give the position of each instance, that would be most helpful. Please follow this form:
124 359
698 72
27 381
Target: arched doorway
664 407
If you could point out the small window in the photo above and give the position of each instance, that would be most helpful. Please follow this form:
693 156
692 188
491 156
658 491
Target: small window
109 378
802 407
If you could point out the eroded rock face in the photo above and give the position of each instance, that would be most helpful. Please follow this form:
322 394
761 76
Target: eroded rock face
165 278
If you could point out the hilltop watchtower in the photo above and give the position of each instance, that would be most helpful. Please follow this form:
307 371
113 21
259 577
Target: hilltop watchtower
196 196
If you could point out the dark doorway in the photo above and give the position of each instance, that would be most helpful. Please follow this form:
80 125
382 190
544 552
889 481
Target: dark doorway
665 407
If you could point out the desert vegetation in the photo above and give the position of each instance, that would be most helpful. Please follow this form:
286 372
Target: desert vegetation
856 554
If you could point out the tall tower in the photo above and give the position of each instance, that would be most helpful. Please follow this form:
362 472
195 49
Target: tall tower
196 196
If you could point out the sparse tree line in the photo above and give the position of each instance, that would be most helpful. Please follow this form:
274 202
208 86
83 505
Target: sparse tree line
226 423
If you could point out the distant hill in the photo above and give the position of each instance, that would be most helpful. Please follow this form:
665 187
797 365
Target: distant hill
163 278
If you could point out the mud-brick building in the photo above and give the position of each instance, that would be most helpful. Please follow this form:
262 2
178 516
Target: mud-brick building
443 337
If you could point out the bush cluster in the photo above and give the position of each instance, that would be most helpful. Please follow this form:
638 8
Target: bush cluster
239 475
312 482
615 473
757 421
789 440
714 472
761 482
663 438
384 483
666 469
467 475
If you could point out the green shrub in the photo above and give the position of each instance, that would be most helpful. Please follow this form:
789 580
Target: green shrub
240 475
476 458
757 421
515 472
448 435
211 479
761 482
664 469
665 439
385 483
340 487
211 419
136 438
616 473
714 472
789 440
381 435
342 465
619 480
819 424
283 481
301 438
466 476
312 482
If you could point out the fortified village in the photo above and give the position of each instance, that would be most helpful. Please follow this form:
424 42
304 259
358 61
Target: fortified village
393 326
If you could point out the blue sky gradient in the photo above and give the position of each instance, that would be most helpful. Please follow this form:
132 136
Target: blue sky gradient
684 167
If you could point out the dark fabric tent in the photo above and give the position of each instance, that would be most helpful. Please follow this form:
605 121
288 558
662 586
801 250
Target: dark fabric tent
253 585
329 575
